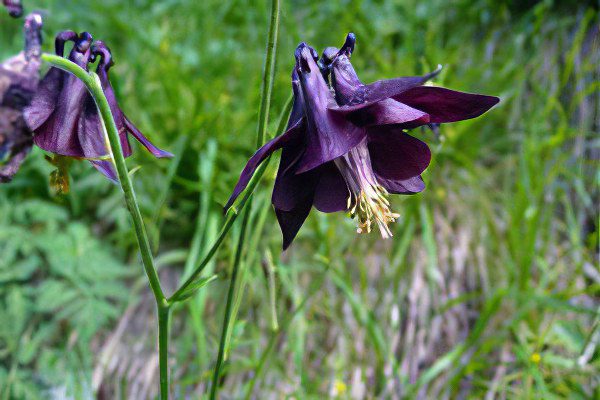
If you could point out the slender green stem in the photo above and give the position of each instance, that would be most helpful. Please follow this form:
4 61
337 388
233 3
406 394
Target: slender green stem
92 83
263 121
268 73
227 318
164 314
232 216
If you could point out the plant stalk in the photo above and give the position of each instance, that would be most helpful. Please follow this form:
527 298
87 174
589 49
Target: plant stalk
232 216
92 83
263 121
228 307
164 314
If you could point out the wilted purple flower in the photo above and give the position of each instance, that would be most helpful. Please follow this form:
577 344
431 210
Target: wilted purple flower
19 77
14 7
347 151
64 116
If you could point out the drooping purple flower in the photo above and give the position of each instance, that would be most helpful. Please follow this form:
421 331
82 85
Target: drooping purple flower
19 77
14 7
346 150
64 116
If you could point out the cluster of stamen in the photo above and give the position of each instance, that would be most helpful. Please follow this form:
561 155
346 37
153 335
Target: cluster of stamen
367 200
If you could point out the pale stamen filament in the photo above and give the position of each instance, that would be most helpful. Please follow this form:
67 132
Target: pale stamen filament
367 200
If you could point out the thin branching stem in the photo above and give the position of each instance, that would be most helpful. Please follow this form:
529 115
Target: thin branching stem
263 121
92 83
228 307
233 214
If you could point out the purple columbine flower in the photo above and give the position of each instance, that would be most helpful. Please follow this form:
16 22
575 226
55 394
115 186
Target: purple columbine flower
64 116
19 77
14 7
347 150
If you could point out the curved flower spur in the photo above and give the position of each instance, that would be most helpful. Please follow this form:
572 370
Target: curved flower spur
14 7
19 77
64 116
347 149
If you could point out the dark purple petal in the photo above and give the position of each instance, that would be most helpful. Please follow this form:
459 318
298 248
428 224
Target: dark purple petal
107 169
352 94
290 188
59 133
90 133
389 112
61 39
397 155
297 112
405 186
290 222
445 105
44 102
81 52
260 155
329 135
348 87
286 182
387 88
331 193
156 152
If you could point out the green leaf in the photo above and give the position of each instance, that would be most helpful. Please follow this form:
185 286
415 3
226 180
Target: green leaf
191 289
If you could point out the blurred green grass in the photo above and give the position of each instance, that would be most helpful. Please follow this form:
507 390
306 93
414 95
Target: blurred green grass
489 288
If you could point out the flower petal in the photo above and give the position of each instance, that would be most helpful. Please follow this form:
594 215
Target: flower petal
107 169
389 112
405 186
44 102
329 135
290 222
445 105
260 155
352 95
331 193
59 133
156 152
397 155
290 188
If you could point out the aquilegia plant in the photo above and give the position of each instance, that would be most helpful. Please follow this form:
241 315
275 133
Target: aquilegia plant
346 149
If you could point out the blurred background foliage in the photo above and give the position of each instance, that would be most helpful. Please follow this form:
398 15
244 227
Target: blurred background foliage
489 289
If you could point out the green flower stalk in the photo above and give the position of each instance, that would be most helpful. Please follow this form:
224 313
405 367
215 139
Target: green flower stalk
93 84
